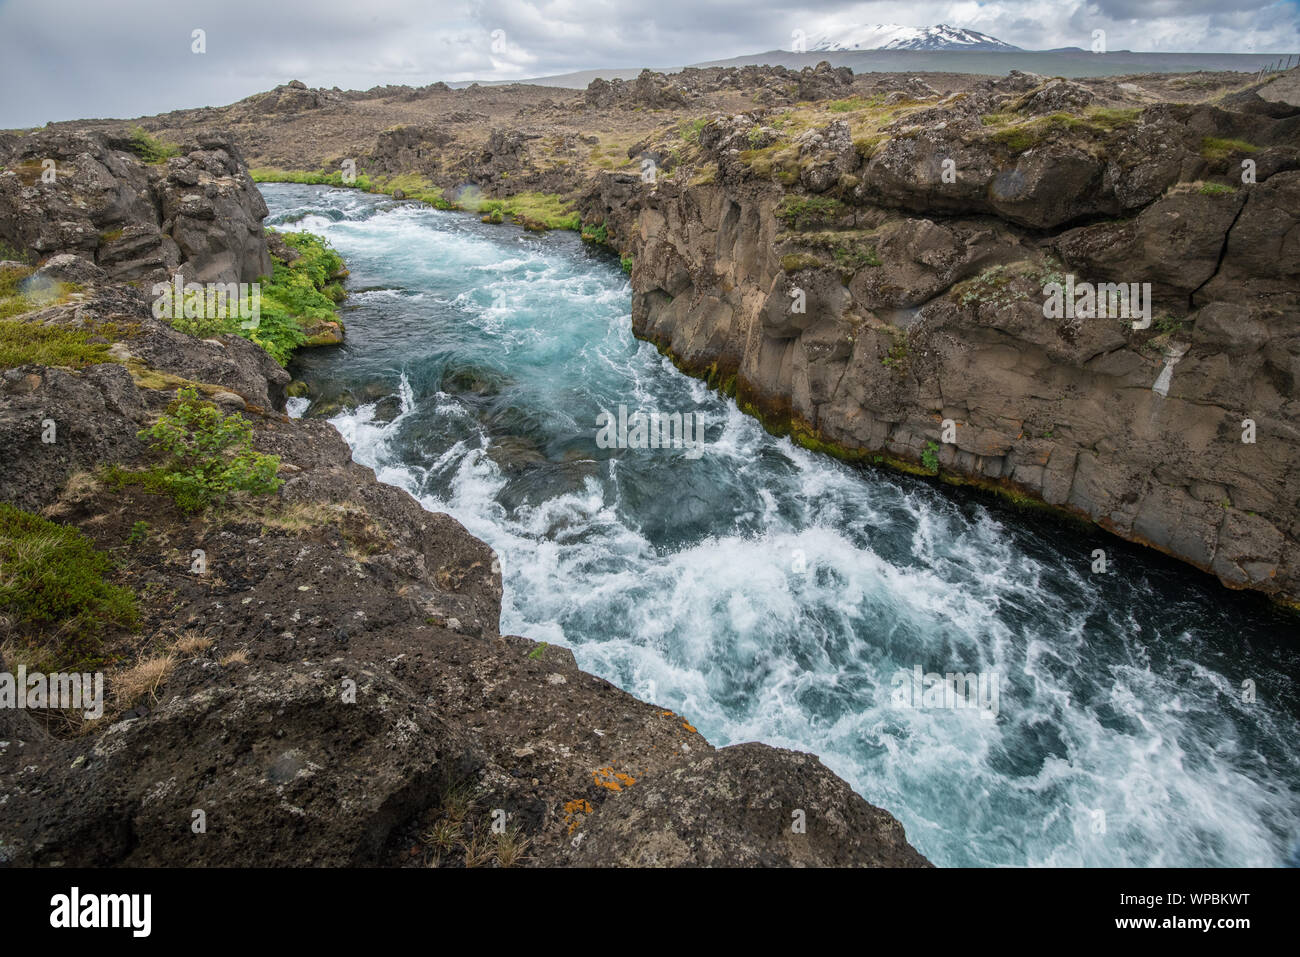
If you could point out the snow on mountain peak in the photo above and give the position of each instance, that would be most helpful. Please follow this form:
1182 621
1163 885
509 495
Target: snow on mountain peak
893 36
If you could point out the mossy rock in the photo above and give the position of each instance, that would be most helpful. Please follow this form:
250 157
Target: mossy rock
794 262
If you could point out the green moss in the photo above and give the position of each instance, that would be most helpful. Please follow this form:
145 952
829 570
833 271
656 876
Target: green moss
794 262
1019 134
1217 189
853 256
532 210
853 104
805 212
1213 148
296 297
626 263
1169 325
30 342
269 174
150 148
54 585
597 235
300 294
23 343
416 187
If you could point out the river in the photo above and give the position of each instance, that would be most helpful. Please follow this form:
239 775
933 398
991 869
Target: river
1142 716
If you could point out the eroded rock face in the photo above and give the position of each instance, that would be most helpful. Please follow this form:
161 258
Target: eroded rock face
926 297
87 193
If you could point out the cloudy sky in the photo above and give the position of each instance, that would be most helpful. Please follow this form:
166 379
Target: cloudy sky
65 59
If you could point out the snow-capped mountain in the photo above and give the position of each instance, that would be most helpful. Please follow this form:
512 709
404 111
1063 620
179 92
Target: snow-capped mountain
892 36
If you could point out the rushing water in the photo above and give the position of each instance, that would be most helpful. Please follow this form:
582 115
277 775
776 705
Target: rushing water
770 594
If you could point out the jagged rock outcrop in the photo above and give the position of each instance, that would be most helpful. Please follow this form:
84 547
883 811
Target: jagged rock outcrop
86 192
922 261
408 149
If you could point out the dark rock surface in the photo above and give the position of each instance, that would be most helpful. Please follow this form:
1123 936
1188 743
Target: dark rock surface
85 192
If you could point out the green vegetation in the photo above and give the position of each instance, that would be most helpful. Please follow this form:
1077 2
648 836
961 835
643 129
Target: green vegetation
597 235
23 343
297 295
53 583
853 256
209 456
11 253
151 149
1019 134
1169 325
28 342
794 262
626 263
995 285
897 357
268 174
1213 148
930 457
853 104
532 210
777 162
804 212
690 130
18 297
413 186
139 532
536 653
1217 189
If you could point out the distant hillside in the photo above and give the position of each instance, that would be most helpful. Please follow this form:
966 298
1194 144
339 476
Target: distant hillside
1069 62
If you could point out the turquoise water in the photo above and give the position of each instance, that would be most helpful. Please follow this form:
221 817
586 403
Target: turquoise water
770 594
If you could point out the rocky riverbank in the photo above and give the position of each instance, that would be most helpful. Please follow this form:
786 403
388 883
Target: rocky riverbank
312 675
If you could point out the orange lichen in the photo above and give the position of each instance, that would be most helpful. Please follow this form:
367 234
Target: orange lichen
612 780
688 727
573 811
666 714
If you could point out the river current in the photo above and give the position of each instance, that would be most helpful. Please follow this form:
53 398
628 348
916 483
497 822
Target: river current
1140 716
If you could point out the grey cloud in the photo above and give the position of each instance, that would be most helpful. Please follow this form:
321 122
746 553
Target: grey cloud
63 59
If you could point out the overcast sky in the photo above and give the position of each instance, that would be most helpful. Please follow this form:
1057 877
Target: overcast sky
67 59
